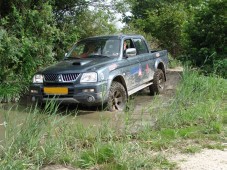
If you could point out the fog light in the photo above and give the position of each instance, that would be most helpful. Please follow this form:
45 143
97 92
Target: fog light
90 99
88 90
34 91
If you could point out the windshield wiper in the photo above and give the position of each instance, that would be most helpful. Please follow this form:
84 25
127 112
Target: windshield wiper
98 55
70 58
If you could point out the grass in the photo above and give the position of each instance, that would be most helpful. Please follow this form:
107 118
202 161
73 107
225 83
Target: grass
193 119
173 62
192 149
10 92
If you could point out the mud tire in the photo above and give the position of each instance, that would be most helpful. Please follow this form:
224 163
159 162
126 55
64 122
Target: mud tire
117 97
158 85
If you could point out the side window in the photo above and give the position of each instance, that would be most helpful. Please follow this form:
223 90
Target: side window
140 46
128 44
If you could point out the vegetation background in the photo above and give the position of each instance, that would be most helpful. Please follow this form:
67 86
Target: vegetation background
35 34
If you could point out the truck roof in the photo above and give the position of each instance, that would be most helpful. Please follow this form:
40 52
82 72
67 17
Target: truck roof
115 36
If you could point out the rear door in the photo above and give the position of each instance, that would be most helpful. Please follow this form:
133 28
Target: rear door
146 62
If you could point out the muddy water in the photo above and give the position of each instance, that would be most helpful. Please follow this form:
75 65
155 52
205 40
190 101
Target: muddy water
140 105
13 112
86 116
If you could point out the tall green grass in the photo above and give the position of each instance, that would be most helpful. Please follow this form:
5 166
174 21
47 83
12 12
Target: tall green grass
45 136
197 112
10 92
199 101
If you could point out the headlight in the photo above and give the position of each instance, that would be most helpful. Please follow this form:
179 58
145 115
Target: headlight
38 78
89 77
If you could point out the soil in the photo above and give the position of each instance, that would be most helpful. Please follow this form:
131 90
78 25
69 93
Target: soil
207 159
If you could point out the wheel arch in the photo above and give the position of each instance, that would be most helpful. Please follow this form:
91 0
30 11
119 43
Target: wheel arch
120 79
160 65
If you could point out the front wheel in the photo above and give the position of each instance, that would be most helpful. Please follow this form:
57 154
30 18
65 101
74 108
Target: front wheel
158 85
117 97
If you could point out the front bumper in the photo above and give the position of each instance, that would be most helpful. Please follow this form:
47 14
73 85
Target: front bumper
88 94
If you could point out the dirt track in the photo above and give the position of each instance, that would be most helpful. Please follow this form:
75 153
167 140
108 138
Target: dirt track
207 159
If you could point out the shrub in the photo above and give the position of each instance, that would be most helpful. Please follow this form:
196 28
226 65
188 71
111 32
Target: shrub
26 43
207 37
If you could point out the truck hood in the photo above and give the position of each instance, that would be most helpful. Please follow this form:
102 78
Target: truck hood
79 65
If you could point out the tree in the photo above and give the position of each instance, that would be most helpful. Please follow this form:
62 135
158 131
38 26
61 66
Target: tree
75 20
27 37
163 19
207 37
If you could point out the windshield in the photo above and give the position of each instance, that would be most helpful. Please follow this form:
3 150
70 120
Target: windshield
95 47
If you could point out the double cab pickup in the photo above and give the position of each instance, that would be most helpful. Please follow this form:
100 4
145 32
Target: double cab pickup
102 70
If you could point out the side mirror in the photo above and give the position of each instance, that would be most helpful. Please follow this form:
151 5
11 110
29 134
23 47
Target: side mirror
130 52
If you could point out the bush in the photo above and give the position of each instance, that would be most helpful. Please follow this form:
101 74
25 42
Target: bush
27 38
207 37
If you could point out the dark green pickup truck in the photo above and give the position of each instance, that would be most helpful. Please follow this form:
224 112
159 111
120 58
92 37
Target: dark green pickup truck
102 70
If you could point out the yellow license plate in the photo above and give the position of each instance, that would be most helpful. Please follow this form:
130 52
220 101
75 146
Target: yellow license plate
56 90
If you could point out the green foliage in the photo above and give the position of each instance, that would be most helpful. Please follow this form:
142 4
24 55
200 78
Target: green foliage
96 22
9 55
207 37
66 10
26 43
97 155
173 62
164 20
10 93
166 25
66 14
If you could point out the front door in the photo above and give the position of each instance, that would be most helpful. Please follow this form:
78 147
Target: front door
133 68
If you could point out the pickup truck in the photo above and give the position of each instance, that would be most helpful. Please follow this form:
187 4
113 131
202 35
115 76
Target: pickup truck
102 70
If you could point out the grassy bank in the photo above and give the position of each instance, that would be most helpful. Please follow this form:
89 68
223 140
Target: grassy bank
11 92
195 118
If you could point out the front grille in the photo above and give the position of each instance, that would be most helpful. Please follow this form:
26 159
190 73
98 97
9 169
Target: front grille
70 77
51 77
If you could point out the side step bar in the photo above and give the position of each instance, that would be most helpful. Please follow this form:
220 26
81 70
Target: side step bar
130 92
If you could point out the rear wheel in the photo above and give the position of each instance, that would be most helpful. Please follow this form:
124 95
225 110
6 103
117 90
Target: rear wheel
158 85
117 97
